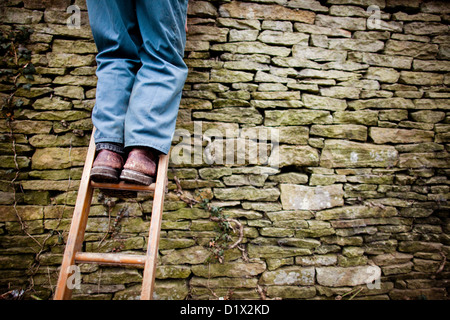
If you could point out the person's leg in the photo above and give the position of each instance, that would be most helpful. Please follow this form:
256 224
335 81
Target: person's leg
153 108
117 37
156 94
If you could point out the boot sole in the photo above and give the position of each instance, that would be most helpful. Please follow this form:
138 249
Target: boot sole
110 175
136 177
104 174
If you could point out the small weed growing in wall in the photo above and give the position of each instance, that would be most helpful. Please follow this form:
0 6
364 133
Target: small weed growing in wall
219 244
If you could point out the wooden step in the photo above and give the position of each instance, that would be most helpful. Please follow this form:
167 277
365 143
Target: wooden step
110 258
123 186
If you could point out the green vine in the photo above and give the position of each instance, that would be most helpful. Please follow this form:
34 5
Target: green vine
220 243
15 62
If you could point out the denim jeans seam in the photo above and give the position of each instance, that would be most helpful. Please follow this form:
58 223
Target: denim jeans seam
108 140
161 148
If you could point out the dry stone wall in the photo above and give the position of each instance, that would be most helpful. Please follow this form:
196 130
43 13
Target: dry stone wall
350 200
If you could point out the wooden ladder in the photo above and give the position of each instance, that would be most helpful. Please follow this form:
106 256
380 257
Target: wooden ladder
73 253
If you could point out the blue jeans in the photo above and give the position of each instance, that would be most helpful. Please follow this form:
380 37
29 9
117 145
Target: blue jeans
140 70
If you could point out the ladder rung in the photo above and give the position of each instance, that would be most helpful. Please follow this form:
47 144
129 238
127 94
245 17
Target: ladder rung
110 258
123 186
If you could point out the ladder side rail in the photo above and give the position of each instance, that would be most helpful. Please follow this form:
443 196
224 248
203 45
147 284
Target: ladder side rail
78 226
148 283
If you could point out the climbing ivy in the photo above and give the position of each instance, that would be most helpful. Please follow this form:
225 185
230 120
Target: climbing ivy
15 61
219 244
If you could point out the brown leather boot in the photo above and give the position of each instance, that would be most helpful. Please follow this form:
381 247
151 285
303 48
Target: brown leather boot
107 166
140 167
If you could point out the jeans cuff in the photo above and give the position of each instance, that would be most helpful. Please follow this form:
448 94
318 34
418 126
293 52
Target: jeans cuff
156 152
115 147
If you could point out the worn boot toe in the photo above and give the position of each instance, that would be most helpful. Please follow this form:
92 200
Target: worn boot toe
107 166
140 167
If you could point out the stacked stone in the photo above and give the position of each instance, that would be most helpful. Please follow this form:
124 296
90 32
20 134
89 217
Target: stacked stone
50 134
360 188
